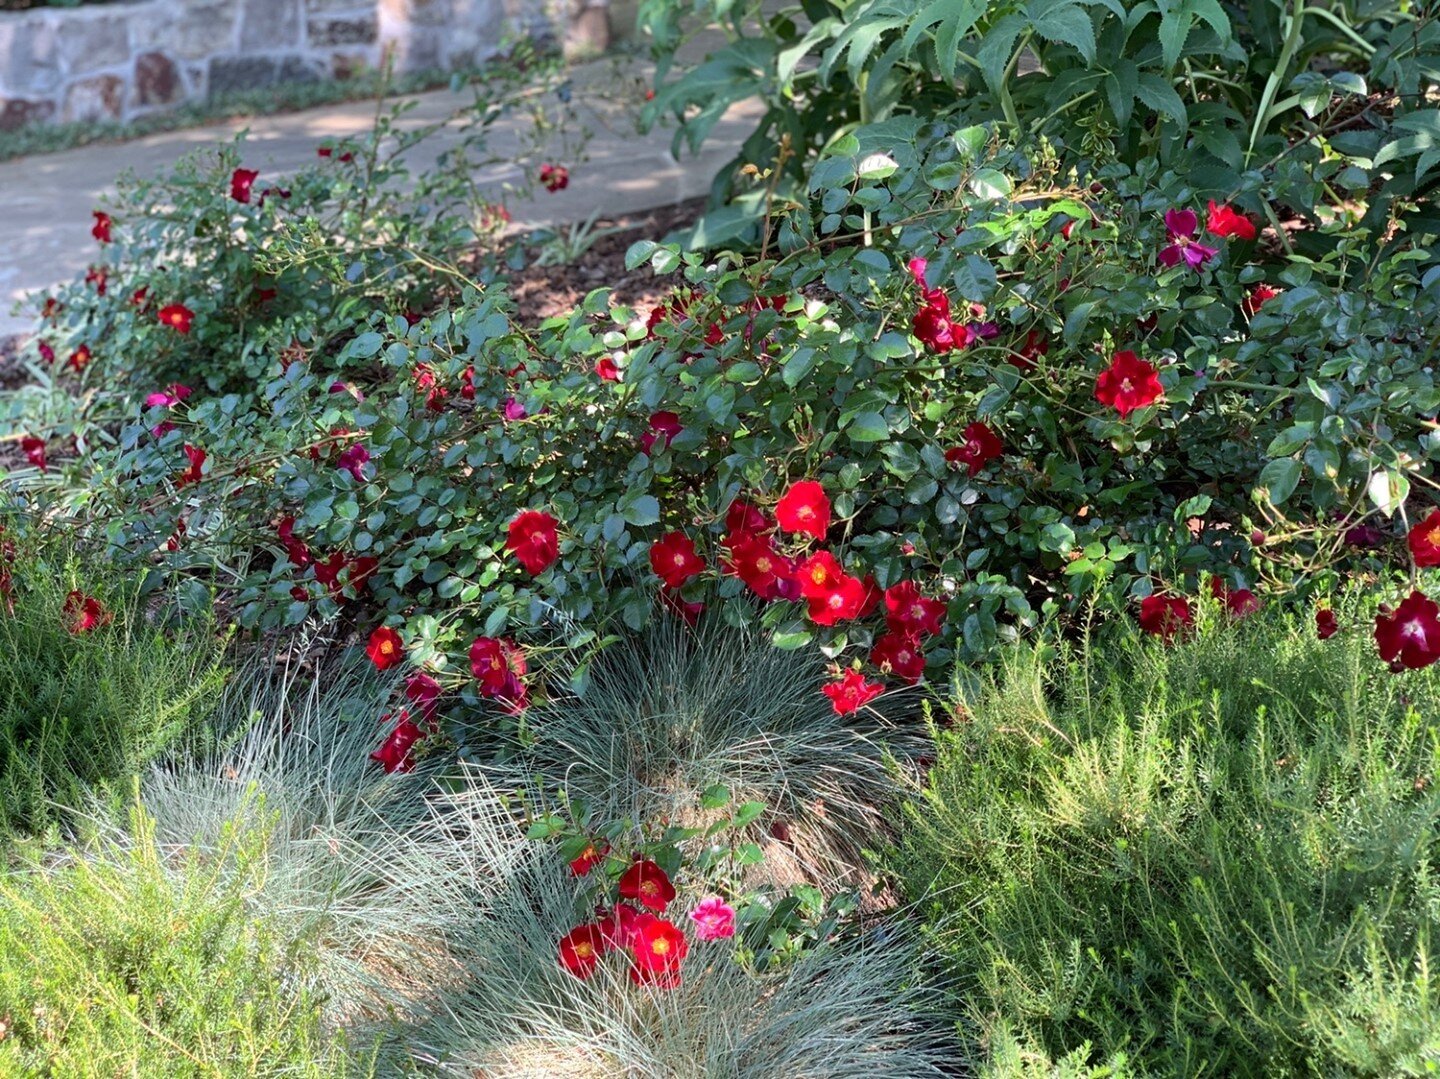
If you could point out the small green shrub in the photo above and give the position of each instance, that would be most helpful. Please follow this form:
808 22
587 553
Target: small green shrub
1215 858
141 958
81 710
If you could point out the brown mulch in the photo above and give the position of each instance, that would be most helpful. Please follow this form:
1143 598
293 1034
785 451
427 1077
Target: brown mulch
542 292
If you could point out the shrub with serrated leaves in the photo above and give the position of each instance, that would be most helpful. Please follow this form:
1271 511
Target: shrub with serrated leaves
1223 93
1215 857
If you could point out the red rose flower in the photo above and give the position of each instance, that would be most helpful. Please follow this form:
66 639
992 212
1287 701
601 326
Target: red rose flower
101 228
241 181
581 949
178 317
79 358
659 949
99 277
899 654
46 352
84 613
533 540
1183 247
385 649
1036 345
742 517
907 611
196 457
843 602
1326 625
1127 384
498 665
1239 602
607 369
1259 296
819 575
554 177
295 550
353 460
804 508
674 560
691 612
34 450
394 753
646 883
981 446
664 426
1165 616
423 691
756 562
588 859
327 572
620 927
1424 540
1409 636
1223 220
852 692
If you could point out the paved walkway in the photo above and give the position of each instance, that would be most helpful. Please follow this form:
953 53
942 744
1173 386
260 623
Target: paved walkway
45 201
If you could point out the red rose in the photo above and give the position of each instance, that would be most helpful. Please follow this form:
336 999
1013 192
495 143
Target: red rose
353 460
554 177
907 611
178 317
295 550
1127 384
743 517
34 450
1036 345
659 949
804 508
394 753
756 562
423 691
899 654
674 560
834 595
606 368
1239 602
646 883
498 665
1223 220
581 949
533 540
84 613
79 358
1424 540
196 457
1326 625
664 426
588 859
1165 616
981 446
385 649
1409 636
1259 296
99 277
101 228
241 181
852 692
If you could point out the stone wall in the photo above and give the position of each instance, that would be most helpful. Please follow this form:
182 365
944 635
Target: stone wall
119 61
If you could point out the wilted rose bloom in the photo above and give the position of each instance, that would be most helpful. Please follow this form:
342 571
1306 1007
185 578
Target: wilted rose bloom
1181 225
714 919
423 691
34 450
394 753
353 460
241 180
192 474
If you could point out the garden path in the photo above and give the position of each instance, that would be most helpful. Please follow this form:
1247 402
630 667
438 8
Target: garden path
45 200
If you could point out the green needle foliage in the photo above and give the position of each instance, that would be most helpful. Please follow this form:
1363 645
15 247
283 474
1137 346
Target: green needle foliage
80 711
1215 858
143 959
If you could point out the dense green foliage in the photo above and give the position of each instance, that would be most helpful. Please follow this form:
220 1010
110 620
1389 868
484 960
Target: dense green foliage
1213 858
87 709
144 959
